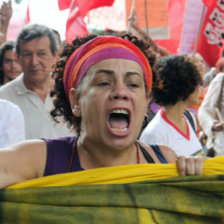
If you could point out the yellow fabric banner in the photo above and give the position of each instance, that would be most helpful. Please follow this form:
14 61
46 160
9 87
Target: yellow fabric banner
133 194
119 174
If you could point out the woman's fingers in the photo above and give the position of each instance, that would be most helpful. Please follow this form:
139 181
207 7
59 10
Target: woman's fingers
199 162
190 166
181 167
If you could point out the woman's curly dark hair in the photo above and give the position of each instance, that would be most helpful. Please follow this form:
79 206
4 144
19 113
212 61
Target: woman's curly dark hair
61 103
176 79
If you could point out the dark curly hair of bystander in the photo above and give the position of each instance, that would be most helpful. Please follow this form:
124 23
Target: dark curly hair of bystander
176 78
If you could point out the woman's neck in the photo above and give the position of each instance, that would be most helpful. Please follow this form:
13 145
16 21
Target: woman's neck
175 112
92 155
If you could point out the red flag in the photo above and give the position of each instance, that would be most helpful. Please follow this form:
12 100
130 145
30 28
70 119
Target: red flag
27 19
87 5
209 3
75 25
176 9
64 4
210 40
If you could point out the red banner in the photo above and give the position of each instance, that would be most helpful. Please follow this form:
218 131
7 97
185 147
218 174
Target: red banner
75 25
211 37
176 10
64 4
27 19
86 5
209 3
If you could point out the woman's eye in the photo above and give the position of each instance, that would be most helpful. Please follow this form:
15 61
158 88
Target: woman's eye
103 84
133 85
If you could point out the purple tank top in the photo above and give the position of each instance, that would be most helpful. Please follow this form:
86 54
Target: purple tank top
59 152
58 155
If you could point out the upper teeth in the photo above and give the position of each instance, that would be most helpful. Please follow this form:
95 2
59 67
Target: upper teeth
118 111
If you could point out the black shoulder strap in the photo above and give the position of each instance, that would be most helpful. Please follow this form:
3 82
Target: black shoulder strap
146 154
190 119
158 153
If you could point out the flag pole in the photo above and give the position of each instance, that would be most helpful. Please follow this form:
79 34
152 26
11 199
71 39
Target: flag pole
146 18
131 16
199 30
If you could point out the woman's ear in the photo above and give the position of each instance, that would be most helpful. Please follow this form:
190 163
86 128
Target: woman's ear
74 102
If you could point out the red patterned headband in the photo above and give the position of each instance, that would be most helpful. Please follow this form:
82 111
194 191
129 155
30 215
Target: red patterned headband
98 49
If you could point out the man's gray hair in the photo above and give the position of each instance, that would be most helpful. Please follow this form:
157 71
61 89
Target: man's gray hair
33 31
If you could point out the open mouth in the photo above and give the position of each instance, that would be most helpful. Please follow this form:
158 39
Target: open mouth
119 121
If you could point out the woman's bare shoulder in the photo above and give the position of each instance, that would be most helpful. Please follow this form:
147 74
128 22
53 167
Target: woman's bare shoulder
167 152
28 144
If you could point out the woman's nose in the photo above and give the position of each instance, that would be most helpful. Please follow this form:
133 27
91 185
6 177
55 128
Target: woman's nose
120 92
14 64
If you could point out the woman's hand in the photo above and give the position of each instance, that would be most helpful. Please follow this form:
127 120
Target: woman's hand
218 126
190 166
5 15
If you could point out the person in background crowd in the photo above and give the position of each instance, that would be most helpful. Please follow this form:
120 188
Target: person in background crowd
12 127
107 78
199 60
36 48
211 115
211 74
9 64
175 88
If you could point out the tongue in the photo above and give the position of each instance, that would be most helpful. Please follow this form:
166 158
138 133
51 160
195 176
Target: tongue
118 123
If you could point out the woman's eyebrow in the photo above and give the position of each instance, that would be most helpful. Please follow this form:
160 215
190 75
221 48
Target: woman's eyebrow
132 73
109 72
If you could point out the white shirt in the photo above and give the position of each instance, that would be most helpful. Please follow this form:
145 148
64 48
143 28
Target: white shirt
207 114
12 128
161 131
38 123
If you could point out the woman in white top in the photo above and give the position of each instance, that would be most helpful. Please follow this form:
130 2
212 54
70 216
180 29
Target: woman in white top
211 115
176 87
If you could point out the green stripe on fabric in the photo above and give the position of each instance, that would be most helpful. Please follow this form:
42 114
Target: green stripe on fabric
190 200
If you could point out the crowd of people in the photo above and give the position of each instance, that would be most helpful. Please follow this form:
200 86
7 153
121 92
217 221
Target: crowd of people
87 107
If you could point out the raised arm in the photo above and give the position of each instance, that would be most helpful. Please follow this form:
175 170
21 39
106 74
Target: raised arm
156 48
22 162
5 15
